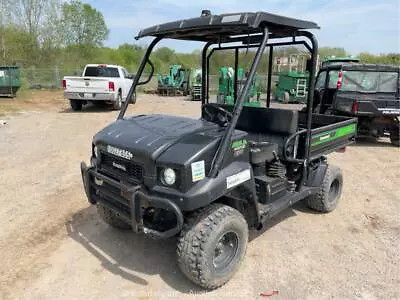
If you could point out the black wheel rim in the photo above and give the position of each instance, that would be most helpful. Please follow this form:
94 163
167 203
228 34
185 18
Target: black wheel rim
225 251
334 190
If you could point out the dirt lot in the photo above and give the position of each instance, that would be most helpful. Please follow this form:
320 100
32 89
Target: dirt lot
53 246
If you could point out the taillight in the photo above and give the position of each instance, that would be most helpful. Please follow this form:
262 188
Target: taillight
64 84
354 107
111 86
340 79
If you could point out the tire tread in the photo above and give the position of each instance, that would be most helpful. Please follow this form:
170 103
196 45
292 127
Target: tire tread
196 230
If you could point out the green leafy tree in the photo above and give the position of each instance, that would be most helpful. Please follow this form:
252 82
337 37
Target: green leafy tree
332 51
83 25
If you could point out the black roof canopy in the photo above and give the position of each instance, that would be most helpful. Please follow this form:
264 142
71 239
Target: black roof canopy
214 27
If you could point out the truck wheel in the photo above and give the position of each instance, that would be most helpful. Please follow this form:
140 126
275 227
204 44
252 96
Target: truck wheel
133 98
212 245
327 199
76 105
117 104
395 137
111 218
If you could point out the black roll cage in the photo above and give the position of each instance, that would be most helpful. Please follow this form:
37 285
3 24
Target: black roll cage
259 41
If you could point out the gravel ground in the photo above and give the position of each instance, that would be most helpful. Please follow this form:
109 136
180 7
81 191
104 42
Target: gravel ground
53 245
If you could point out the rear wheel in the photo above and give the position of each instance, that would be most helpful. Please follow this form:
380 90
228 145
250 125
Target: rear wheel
286 97
111 218
133 98
327 199
76 105
117 104
212 245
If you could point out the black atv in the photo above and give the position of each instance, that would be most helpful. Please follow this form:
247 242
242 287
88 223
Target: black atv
209 180
368 92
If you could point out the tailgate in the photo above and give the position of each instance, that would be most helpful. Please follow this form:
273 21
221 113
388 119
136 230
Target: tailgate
368 104
87 84
338 133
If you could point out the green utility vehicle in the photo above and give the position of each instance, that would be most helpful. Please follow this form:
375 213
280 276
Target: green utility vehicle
226 87
208 181
175 83
10 81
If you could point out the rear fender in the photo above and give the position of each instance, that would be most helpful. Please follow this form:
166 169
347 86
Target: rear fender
316 175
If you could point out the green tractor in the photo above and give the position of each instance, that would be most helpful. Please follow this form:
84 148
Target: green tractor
226 87
196 84
175 83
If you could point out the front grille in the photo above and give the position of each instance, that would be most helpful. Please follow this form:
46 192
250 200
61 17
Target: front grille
121 167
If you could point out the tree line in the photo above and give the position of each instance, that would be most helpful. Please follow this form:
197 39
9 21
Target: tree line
45 33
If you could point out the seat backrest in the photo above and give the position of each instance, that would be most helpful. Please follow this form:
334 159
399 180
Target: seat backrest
268 120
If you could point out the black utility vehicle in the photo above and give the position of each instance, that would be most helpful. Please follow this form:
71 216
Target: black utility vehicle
369 92
209 180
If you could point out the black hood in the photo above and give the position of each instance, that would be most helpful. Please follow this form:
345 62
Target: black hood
148 136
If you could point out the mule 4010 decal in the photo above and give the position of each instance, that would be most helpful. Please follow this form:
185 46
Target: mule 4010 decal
333 134
238 147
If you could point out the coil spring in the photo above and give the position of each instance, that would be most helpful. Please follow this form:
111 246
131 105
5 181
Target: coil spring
276 169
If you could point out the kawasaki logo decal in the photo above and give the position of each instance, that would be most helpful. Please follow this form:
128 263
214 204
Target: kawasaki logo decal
333 134
238 145
119 152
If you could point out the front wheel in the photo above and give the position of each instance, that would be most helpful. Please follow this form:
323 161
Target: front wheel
327 199
212 245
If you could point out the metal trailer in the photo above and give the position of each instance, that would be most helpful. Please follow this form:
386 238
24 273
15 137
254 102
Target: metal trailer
10 81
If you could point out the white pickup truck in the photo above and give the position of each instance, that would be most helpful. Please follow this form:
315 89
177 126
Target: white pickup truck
108 83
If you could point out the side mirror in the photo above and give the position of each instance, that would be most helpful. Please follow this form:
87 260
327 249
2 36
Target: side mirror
130 76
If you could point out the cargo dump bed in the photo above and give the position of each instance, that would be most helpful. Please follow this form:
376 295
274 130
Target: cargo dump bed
287 128
329 133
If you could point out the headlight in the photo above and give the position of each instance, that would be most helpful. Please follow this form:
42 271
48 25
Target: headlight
169 176
96 151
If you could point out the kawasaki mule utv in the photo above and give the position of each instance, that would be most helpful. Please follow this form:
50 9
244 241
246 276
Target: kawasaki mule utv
368 92
209 180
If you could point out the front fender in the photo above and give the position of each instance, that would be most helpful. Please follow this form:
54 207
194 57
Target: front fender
211 189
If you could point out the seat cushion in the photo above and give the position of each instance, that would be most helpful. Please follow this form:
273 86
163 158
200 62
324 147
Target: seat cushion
268 120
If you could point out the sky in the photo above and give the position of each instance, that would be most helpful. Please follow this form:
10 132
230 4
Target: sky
356 25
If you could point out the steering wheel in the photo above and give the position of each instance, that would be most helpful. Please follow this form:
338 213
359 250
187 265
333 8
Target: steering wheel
221 115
